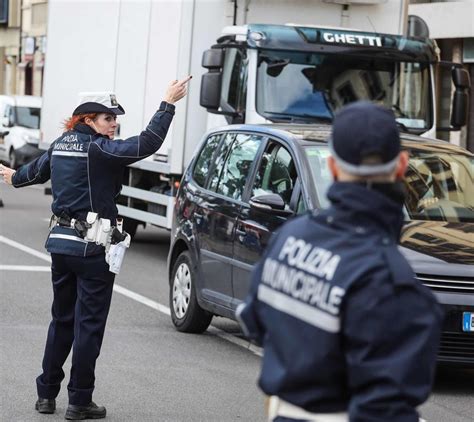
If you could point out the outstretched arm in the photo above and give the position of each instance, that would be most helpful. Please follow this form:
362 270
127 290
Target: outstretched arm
37 171
149 141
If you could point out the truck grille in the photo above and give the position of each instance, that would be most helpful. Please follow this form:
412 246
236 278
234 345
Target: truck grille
447 283
457 346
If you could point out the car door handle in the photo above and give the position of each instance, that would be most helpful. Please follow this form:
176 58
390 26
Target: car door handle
239 231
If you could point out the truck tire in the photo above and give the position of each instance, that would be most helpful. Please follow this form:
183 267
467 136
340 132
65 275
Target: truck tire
186 314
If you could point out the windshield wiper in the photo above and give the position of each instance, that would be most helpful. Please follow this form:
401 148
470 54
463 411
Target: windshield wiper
295 118
402 127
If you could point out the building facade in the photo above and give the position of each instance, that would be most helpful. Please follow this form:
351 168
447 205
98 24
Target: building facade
10 24
451 24
23 25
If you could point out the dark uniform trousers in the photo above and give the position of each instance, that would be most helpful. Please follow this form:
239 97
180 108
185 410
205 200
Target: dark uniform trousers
82 289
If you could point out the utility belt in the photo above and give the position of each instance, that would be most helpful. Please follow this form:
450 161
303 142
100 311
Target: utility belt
278 407
101 232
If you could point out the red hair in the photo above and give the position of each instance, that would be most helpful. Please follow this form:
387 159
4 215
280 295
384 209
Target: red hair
70 123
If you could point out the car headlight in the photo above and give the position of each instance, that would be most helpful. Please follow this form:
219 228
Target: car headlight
32 140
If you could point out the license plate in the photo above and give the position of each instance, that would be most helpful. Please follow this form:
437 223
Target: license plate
468 321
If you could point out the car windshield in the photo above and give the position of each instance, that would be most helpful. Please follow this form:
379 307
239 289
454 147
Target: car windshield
28 117
439 182
440 186
316 85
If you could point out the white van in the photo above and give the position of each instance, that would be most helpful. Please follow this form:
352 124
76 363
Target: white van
19 128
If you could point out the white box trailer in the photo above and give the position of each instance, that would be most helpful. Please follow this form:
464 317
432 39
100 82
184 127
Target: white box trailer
135 47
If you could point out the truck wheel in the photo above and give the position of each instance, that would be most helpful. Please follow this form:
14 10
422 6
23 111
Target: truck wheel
13 159
130 226
186 314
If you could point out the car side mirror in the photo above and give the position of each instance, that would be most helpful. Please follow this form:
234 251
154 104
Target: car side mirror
460 107
6 122
271 203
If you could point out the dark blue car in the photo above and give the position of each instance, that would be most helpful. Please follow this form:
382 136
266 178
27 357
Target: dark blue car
245 181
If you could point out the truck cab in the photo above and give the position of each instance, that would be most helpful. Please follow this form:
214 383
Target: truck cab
260 73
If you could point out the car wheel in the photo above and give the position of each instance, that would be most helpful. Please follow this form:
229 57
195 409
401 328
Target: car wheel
186 314
13 159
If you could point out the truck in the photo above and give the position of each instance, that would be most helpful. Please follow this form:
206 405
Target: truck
260 61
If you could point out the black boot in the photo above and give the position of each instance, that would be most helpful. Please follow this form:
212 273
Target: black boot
45 405
78 413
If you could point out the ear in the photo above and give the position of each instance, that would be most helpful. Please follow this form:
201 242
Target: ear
333 167
88 121
402 165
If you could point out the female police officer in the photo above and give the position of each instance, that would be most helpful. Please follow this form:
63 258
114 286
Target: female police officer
85 166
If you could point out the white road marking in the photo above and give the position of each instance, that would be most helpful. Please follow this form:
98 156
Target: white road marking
142 299
36 187
24 268
34 252
125 292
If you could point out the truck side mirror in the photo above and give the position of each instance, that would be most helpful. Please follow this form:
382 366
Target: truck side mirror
211 82
213 58
210 95
460 106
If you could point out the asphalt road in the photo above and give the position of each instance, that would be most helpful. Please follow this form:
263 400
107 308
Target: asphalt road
147 371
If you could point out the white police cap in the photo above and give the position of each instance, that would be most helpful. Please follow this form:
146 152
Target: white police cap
98 102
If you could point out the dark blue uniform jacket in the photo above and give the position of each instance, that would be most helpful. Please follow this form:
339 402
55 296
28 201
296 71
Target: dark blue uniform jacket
86 172
344 324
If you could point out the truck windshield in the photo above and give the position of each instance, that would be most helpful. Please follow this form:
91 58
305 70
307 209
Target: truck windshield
28 117
439 183
312 86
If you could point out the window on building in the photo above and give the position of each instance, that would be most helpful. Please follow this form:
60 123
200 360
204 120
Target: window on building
3 12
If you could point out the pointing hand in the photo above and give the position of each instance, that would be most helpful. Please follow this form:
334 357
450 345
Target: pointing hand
176 90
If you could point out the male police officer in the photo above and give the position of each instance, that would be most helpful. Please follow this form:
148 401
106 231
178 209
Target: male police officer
348 332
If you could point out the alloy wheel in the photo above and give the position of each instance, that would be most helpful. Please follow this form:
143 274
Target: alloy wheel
181 290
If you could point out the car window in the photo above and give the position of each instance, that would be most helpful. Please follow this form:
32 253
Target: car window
220 160
301 206
234 81
276 173
204 161
237 166
317 159
28 117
